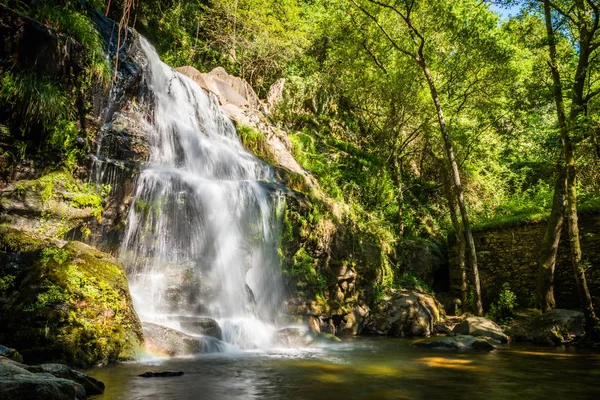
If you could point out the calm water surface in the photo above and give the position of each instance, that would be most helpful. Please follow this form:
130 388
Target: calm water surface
363 369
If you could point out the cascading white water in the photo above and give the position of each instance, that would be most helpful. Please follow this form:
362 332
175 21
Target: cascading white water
203 229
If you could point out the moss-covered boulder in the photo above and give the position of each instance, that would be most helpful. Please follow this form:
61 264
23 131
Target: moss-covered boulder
64 301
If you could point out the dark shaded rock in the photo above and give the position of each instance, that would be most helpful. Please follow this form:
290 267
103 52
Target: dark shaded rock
17 383
10 353
404 313
452 304
163 340
162 374
459 342
202 326
425 259
91 385
479 326
555 327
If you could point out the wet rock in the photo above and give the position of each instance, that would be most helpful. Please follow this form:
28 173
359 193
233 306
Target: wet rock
479 326
458 342
555 327
91 385
293 337
162 374
167 341
403 313
18 383
202 326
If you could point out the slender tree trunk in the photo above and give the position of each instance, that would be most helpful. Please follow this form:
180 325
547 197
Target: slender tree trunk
571 189
460 241
453 172
578 270
399 196
545 278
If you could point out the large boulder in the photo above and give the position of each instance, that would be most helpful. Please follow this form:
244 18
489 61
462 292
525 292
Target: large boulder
458 342
64 301
163 340
201 326
17 383
228 89
479 326
404 313
555 327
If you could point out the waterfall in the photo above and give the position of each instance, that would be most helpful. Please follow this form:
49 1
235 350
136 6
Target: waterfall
203 228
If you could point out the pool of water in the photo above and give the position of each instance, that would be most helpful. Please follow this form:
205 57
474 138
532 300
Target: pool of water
363 368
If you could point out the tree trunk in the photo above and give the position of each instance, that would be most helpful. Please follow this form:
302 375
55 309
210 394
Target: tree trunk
582 287
453 172
460 241
577 109
545 278
399 195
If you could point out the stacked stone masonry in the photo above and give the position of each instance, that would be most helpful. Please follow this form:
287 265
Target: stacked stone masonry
511 255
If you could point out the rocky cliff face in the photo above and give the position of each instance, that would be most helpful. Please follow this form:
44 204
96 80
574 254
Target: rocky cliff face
60 299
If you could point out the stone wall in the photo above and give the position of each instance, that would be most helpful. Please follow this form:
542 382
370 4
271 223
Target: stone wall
510 255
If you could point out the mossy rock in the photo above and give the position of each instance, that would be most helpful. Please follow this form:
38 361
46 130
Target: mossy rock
51 205
64 301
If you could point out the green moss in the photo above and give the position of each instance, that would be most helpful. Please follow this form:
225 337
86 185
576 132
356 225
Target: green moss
60 186
255 142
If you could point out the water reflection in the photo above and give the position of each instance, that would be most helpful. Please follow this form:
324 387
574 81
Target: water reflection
364 369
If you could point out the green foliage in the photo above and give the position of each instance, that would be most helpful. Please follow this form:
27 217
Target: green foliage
502 310
303 272
409 280
6 282
37 99
68 21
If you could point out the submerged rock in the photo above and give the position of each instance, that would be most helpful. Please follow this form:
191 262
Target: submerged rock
555 327
404 313
162 374
17 383
66 302
167 341
458 342
202 326
479 326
